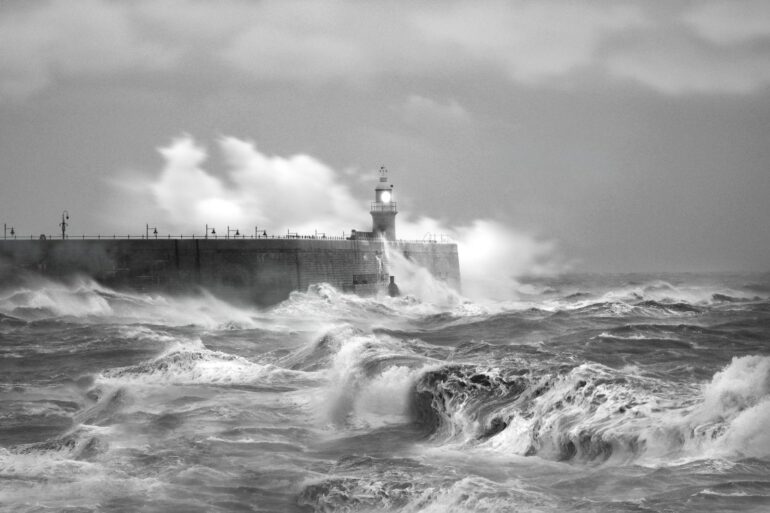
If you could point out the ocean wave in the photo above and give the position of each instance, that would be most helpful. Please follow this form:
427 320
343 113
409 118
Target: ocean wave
85 300
462 400
624 308
355 494
323 303
367 377
655 297
73 455
673 308
10 320
71 472
596 414
735 412
431 494
631 336
81 445
319 353
189 365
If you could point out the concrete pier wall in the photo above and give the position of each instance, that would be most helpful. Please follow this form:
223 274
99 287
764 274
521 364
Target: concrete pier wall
257 271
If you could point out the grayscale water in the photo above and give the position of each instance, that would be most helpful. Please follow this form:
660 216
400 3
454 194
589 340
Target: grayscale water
587 393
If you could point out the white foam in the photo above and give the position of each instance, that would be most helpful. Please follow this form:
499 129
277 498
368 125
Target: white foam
474 493
633 418
90 302
417 281
79 299
735 411
357 396
633 336
182 363
385 398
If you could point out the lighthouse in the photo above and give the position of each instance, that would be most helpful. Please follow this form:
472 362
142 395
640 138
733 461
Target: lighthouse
384 209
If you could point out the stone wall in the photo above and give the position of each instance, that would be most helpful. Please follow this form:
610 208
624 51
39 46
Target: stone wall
258 271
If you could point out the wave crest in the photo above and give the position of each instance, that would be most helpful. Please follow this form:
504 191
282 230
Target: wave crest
198 365
596 414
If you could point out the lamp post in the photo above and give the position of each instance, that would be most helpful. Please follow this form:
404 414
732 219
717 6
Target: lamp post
64 224
237 233
5 230
213 232
147 231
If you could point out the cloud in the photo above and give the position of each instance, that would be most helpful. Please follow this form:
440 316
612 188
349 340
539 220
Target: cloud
714 47
726 23
189 194
299 42
46 40
676 64
530 41
704 47
419 108
299 194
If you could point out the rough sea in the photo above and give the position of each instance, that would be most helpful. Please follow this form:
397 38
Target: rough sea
589 393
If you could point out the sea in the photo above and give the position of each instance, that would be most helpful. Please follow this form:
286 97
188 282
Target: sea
579 392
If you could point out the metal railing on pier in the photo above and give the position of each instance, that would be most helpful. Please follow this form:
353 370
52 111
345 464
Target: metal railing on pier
288 236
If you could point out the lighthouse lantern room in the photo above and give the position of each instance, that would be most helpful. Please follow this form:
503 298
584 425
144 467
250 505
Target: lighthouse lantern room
384 209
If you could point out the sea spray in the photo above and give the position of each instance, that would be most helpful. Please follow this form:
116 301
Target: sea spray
414 280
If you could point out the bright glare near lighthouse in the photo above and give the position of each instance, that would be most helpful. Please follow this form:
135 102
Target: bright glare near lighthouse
385 197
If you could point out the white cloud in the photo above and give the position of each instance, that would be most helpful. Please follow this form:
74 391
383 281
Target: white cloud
186 191
299 194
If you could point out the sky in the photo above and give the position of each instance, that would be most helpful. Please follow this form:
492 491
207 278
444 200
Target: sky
542 135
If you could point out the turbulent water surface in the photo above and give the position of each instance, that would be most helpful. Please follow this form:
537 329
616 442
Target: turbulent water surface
588 393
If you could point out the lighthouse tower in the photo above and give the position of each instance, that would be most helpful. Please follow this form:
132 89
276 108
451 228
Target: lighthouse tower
384 209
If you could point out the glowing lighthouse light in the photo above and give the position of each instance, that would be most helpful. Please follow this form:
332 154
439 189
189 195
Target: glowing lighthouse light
384 209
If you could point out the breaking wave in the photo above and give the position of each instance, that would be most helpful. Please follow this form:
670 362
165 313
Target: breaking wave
596 414
194 364
85 300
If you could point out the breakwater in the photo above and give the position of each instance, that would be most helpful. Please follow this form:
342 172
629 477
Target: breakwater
260 271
